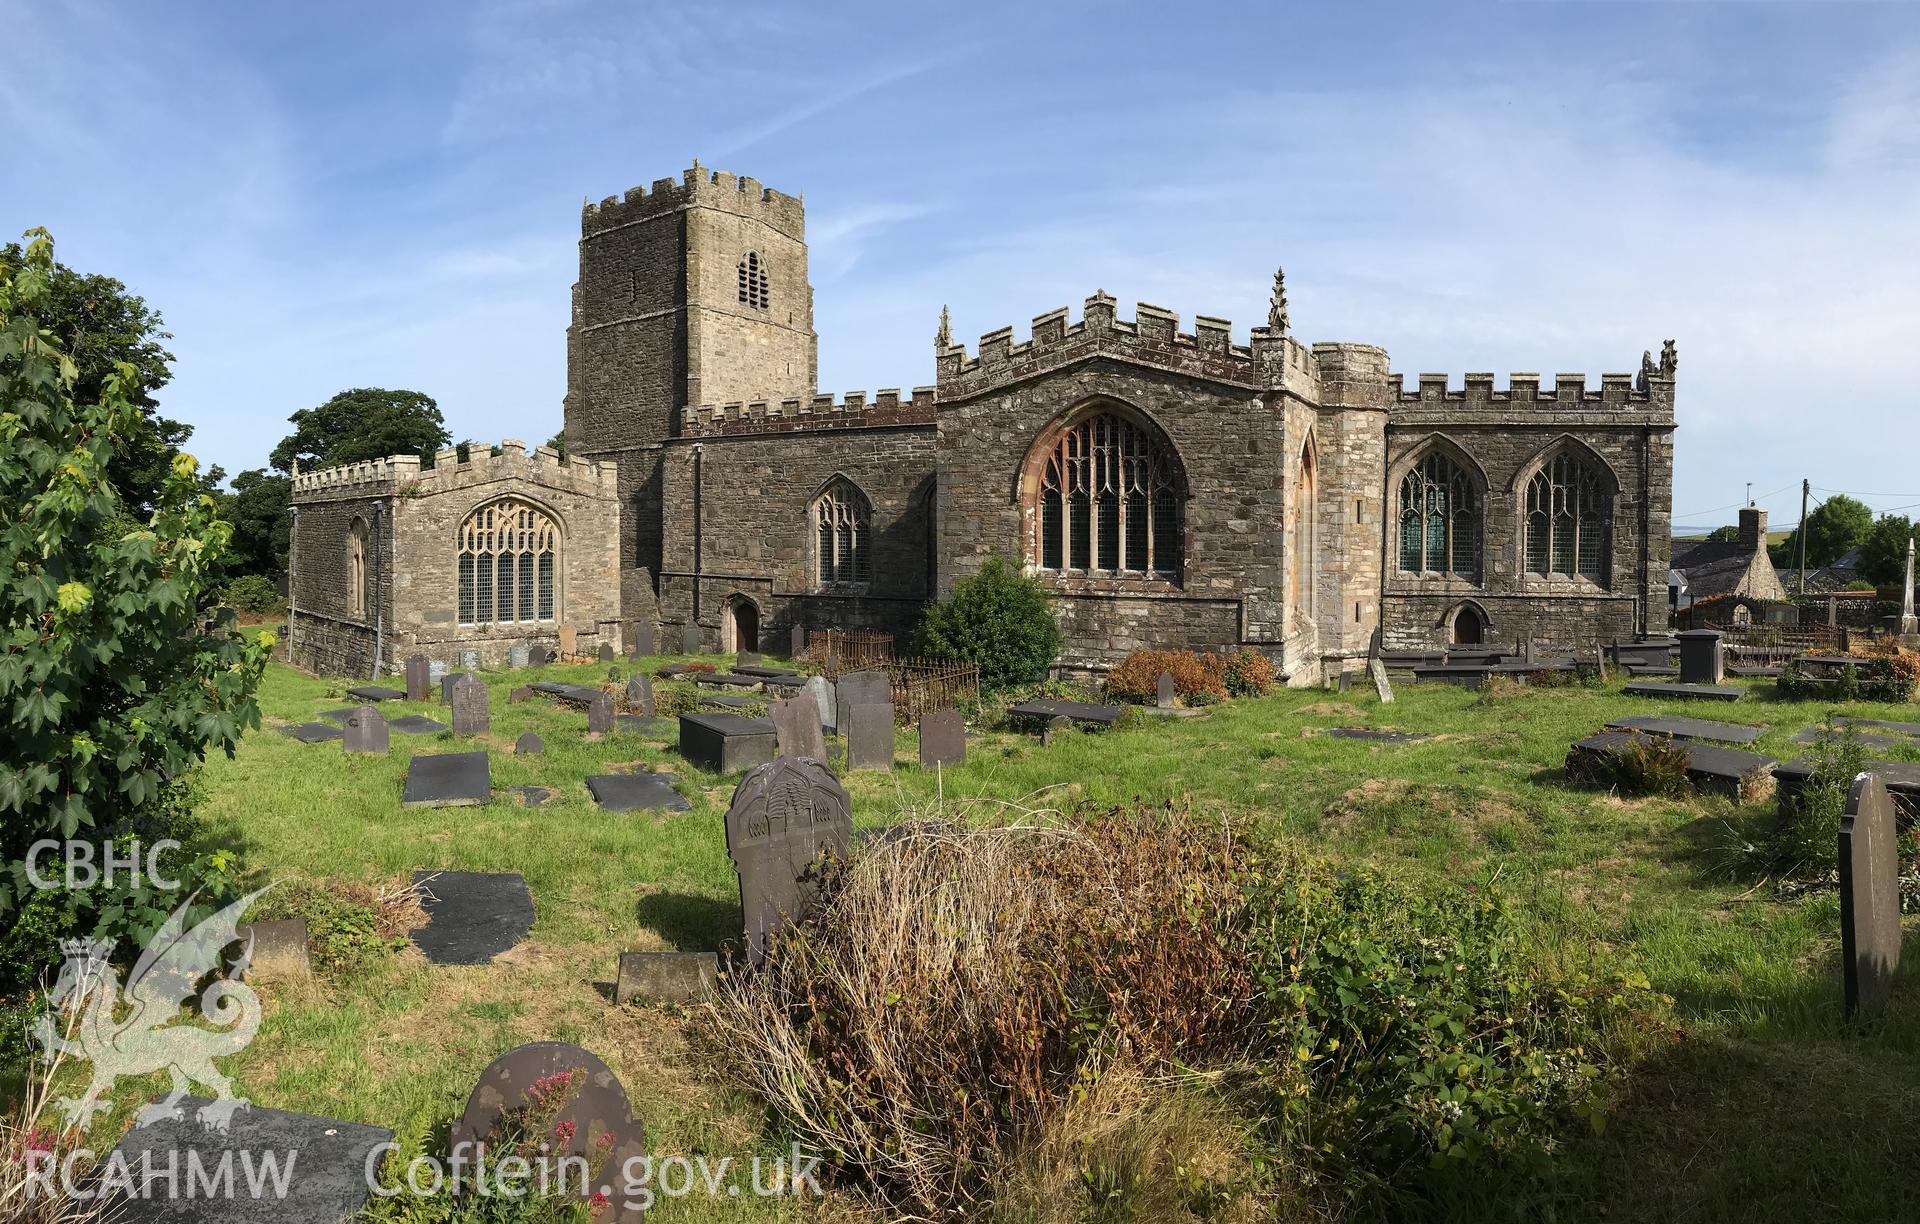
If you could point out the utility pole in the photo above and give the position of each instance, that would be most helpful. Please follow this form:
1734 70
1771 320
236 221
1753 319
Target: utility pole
1806 487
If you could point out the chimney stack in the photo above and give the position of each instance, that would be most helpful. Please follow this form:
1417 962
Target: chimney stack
1753 529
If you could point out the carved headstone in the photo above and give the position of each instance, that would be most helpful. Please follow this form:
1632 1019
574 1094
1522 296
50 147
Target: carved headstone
528 744
366 731
640 696
862 688
870 737
943 738
1163 691
796 727
822 691
606 652
470 706
690 640
784 817
595 1115
600 714
419 678
470 659
569 641
1869 898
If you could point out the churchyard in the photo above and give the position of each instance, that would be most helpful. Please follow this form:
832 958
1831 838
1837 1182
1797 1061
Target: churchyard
1758 1101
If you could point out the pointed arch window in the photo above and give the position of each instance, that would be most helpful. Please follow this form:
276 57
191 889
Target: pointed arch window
1109 499
1440 519
357 567
507 565
1568 506
1303 534
753 281
843 530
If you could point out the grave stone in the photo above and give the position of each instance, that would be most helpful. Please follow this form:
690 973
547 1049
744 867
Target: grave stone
472 916
1702 660
419 670
1600 663
690 639
1697 692
870 737
797 642
1163 691
538 654
366 731
796 727
447 779
785 816
376 692
640 696
726 743
569 641
821 690
626 792
1382 687
520 654
1690 728
1056 726
415 724
861 688
529 744
605 1134
1869 898
600 714
470 715
943 738
446 686
436 672
519 693
470 659
665 977
606 652
311 733
643 638
276 949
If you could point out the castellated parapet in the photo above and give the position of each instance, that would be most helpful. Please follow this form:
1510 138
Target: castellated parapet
1152 338
1619 398
698 186
406 475
851 411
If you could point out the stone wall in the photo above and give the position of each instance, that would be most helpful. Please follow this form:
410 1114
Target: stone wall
328 636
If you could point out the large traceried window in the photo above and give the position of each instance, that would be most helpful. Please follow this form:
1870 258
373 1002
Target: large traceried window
843 529
1109 494
1440 519
1568 505
753 281
507 565
357 567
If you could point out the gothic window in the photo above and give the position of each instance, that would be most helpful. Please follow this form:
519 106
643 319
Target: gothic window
1109 494
1302 547
753 281
843 529
1439 519
1567 512
506 565
357 567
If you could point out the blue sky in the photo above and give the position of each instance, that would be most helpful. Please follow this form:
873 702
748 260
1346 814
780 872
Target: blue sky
337 195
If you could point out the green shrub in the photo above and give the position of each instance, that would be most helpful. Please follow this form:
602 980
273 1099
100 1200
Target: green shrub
252 593
1805 839
345 933
997 620
1890 678
1649 765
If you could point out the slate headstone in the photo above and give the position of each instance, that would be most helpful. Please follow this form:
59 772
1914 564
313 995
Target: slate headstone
785 816
472 916
528 744
365 731
447 779
943 738
606 652
822 691
470 715
643 638
446 686
604 1131
419 670
1056 726
1702 659
796 727
640 696
665 977
569 641
1869 898
690 639
539 655
862 688
870 737
600 714
1163 691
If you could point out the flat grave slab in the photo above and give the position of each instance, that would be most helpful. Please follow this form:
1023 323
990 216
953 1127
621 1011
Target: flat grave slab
1696 692
1468 676
327 1180
415 724
447 779
627 792
336 716
676 669
1651 669
726 702
1378 735
1689 728
1754 671
1866 739
1900 776
728 679
1075 711
657 728
726 743
770 673
665 977
1834 662
1880 724
312 733
376 692
472 916
1712 770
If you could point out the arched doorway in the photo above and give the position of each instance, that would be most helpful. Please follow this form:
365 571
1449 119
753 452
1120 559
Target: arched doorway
1469 627
742 625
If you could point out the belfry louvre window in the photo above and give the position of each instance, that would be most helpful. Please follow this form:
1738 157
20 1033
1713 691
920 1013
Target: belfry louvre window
753 281
506 565
843 527
1109 501
1439 520
1567 511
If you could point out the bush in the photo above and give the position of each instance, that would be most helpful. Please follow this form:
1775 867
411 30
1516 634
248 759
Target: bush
1197 680
1649 765
998 620
252 593
1248 673
1890 678
1805 839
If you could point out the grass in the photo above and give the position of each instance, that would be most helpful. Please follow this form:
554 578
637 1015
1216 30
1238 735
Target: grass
1765 1105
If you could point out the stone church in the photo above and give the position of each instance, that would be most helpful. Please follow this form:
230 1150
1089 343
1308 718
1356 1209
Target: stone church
1170 488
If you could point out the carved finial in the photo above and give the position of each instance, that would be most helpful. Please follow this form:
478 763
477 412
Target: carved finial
1277 304
1647 369
943 339
1669 359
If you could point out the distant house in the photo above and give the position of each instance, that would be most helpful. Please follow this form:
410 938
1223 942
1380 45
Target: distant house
1710 569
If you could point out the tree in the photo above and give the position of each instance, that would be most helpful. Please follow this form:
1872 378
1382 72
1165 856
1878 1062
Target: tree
261 511
1834 528
98 325
559 443
364 423
1883 554
1724 535
121 669
998 619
